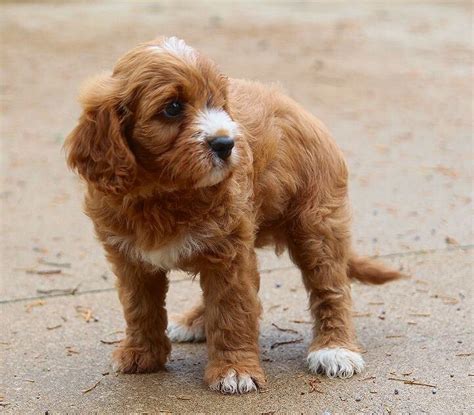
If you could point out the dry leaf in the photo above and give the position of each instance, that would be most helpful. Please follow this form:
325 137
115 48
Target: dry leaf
38 303
451 241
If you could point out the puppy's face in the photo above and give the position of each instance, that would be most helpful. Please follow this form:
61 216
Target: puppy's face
160 120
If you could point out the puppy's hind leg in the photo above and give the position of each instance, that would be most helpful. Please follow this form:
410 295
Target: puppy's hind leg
188 327
319 245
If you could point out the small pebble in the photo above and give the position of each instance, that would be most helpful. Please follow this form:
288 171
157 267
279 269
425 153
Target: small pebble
459 341
434 391
277 285
451 375
358 399
395 391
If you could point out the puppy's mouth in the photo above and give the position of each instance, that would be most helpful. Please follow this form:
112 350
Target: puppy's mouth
223 157
215 176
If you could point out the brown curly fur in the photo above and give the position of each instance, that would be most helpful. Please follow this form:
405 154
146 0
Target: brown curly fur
146 190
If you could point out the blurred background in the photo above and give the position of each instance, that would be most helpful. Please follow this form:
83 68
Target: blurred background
391 80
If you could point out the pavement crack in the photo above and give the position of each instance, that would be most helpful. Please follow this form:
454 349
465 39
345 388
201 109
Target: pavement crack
262 271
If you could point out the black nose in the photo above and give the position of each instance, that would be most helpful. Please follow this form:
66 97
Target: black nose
222 146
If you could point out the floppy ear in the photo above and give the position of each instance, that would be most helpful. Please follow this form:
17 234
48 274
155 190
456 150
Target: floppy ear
96 148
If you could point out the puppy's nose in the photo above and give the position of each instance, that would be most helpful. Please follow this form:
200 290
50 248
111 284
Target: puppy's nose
222 146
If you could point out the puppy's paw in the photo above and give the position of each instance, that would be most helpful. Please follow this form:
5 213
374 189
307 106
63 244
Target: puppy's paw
135 359
179 332
232 383
335 362
233 380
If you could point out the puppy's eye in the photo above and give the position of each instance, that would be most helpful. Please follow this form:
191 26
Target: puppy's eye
173 109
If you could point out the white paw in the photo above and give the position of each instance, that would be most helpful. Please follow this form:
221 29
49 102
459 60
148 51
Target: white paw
234 383
335 362
181 333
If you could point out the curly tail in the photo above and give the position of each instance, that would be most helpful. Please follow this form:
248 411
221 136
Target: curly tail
369 271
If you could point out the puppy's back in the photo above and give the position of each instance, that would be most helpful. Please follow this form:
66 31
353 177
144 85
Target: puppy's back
294 154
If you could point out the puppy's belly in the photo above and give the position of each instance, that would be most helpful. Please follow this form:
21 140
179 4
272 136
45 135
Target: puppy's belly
166 257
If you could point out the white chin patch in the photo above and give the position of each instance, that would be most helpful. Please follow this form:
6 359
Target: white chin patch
180 333
335 362
233 383
216 175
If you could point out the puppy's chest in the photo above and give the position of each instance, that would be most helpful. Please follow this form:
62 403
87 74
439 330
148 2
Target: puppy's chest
167 256
169 239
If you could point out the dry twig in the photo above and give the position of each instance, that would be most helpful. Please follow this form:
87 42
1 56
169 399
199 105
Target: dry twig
312 383
44 272
356 314
110 341
92 387
55 264
70 351
285 330
277 344
413 382
59 291
181 397
53 327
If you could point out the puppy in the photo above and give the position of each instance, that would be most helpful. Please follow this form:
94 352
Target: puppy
188 169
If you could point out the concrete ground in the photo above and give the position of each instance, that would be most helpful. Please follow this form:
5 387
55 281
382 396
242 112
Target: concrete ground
392 81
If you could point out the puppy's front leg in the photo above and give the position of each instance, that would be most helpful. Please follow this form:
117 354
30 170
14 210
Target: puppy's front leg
232 310
142 292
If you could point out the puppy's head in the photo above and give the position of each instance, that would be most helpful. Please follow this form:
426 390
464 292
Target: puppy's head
160 120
